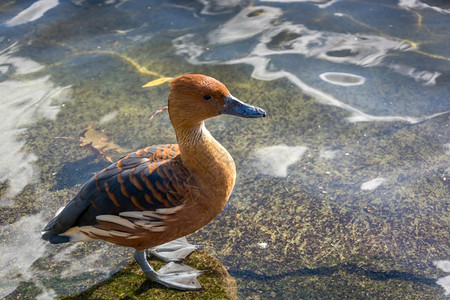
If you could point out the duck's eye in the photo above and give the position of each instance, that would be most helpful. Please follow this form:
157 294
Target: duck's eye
207 97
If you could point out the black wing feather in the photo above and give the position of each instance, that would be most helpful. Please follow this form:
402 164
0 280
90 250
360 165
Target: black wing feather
114 190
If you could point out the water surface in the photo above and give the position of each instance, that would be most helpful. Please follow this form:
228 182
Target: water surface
342 190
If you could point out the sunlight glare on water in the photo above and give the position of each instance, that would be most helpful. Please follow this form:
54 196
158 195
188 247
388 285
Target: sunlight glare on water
342 190
23 102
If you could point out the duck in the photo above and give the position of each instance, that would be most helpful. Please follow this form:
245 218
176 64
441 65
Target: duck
159 194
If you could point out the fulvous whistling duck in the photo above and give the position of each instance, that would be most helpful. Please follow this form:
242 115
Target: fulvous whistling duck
161 193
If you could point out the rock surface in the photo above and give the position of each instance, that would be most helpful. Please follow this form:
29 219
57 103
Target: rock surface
130 283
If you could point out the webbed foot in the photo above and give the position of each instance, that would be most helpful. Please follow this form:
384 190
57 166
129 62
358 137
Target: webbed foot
178 276
173 275
175 250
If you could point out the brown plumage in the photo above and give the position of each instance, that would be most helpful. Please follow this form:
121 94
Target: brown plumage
160 193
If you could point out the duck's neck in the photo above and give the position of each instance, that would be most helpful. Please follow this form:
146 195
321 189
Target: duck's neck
208 161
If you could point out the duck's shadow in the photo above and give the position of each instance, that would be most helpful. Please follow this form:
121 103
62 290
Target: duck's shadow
329 271
77 172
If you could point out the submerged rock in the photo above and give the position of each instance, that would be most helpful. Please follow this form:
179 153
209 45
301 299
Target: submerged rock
130 283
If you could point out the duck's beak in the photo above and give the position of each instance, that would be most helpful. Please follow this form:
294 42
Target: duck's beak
235 107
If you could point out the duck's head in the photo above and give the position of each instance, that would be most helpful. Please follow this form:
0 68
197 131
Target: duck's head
195 98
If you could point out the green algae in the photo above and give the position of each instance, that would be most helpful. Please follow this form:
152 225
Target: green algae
326 237
25 290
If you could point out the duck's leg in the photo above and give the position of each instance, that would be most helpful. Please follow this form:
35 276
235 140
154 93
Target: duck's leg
172 275
176 250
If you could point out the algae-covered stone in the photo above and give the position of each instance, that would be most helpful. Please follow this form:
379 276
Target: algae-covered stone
130 283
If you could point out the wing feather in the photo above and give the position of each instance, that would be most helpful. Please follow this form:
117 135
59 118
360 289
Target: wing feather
150 180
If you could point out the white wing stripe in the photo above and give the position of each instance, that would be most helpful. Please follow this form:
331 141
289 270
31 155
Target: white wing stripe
116 219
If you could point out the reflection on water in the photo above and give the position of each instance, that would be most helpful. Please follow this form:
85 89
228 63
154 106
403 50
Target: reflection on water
21 246
444 265
288 38
321 3
372 184
213 7
23 102
296 39
275 160
421 5
328 154
423 77
344 183
246 24
342 79
364 50
32 13
108 117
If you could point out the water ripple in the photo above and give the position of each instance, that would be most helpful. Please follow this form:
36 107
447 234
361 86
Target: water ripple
22 103
286 39
32 13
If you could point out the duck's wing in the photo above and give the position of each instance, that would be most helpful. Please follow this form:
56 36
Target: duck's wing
148 181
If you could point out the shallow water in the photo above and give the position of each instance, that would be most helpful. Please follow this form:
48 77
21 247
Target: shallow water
342 190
